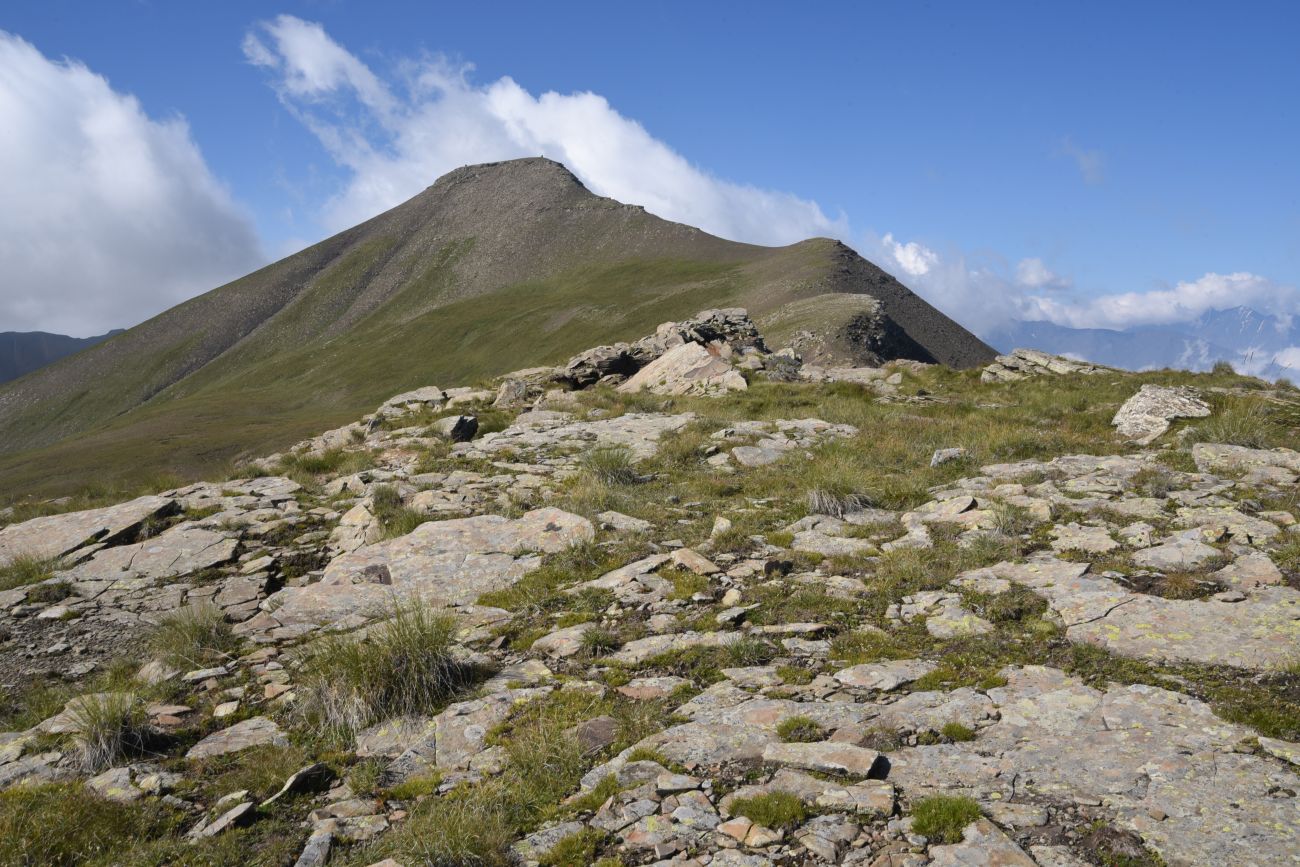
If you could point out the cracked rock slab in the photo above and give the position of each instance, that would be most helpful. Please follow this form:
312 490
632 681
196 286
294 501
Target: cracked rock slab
1260 632
56 535
1147 414
442 562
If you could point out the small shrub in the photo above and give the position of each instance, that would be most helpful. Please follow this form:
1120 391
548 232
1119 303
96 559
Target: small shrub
943 818
775 810
107 727
800 730
195 636
366 777
883 739
25 569
1223 368
404 666
611 465
418 786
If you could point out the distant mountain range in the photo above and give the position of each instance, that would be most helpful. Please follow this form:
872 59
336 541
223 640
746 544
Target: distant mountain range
1256 343
21 352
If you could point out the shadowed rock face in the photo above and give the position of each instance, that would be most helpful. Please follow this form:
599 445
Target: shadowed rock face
491 268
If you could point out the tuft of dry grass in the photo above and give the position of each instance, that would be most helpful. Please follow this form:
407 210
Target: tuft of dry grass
402 666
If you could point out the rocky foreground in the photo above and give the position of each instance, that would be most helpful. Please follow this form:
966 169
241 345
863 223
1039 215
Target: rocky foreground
694 623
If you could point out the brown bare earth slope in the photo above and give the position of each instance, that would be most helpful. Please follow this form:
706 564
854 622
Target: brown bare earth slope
492 268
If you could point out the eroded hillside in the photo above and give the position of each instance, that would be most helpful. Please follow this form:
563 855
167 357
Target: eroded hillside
683 600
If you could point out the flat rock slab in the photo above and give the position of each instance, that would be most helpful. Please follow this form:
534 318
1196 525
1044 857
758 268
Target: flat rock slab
884 676
179 550
552 432
1176 555
638 651
1140 750
442 562
57 535
1146 415
256 732
983 845
824 757
1260 632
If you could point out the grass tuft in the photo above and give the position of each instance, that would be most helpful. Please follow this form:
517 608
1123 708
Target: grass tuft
107 727
800 730
943 818
25 569
403 666
611 465
195 636
775 810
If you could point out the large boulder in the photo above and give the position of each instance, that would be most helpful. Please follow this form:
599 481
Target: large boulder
687 369
1146 415
730 327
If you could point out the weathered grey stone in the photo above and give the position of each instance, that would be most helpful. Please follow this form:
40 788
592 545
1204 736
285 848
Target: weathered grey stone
1257 632
638 651
1022 363
686 369
179 550
255 732
825 757
442 562
983 845
563 642
56 535
884 676
457 428
1146 415
1177 554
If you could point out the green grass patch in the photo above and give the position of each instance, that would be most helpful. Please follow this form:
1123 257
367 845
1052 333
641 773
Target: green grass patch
800 730
24 569
776 810
403 666
943 818
193 637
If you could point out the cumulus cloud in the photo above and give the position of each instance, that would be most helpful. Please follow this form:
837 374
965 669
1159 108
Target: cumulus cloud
1091 163
109 216
396 134
913 258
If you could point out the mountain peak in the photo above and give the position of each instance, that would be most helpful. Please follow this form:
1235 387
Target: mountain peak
537 173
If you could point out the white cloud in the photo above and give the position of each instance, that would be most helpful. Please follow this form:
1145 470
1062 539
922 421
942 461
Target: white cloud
109 216
395 137
1181 303
1034 274
914 258
1091 163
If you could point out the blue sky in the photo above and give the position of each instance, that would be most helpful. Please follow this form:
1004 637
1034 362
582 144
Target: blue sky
1094 163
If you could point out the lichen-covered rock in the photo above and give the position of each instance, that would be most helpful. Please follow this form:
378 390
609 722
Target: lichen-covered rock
1147 414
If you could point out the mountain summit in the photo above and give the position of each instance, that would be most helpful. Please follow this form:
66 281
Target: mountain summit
492 268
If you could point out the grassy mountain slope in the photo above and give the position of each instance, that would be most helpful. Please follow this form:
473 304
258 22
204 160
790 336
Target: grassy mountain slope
492 268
